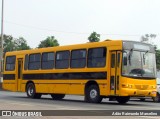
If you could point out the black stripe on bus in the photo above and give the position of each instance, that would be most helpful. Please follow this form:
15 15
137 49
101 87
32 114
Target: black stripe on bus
8 76
77 75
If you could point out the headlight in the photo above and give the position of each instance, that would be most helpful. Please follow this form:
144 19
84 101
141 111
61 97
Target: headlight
126 86
153 87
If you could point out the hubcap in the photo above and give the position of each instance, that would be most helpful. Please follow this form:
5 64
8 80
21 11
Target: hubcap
156 98
30 91
93 93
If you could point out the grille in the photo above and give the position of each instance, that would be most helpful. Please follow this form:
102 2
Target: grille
141 87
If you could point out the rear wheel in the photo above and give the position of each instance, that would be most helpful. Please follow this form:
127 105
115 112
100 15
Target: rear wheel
157 98
122 99
92 94
57 96
31 91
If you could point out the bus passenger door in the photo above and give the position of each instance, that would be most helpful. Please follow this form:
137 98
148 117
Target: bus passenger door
19 73
115 70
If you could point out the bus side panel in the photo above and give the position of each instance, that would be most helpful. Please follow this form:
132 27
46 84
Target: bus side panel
48 86
9 85
23 87
77 89
103 89
44 88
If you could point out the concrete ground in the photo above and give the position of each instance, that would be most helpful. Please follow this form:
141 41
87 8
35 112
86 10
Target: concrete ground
19 101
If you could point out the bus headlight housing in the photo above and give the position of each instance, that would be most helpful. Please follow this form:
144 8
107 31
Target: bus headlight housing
153 87
126 86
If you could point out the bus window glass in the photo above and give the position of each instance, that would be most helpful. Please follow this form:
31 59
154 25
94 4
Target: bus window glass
96 57
112 60
48 60
62 59
78 59
148 64
118 60
10 63
34 61
139 64
26 62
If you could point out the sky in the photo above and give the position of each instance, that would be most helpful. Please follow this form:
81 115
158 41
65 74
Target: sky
72 21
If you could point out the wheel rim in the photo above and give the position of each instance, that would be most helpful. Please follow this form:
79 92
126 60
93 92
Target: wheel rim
156 98
93 93
30 91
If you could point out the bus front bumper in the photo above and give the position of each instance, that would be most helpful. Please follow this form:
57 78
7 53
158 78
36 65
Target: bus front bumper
137 92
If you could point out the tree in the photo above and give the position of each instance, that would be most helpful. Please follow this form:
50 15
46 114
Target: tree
13 44
94 37
48 42
148 38
21 44
8 43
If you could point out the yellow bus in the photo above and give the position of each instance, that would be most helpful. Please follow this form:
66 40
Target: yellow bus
109 69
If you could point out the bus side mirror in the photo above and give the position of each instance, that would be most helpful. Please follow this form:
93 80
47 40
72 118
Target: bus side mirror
124 60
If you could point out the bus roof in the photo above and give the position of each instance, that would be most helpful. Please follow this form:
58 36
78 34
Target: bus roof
67 47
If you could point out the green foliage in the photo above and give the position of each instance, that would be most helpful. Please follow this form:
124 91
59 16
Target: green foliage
94 37
13 44
8 43
158 59
148 38
48 42
21 44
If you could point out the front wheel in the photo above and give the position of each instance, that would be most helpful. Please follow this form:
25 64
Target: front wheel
92 94
31 91
122 99
157 98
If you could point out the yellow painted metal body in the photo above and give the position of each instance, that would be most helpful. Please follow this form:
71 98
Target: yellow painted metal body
126 86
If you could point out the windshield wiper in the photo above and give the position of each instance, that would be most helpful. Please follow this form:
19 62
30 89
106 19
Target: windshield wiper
146 52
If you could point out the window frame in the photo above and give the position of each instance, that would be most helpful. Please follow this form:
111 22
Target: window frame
47 60
79 58
10 63
26 63
96 57
113 60
62 59
34 61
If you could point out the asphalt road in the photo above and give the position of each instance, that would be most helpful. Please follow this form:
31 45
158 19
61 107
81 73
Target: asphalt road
19 101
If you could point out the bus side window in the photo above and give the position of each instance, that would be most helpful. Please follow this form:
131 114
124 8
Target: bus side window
62 59
78 58
48 60
34 61
10 63
26 62
96 57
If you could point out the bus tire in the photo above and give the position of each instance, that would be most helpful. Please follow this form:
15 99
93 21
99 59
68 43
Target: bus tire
57 96
122 99
92 94
31 91
157 98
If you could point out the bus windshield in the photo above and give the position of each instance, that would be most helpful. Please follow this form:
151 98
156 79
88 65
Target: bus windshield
138 64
